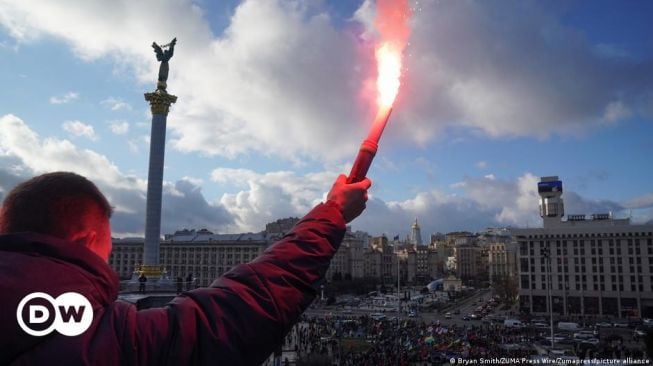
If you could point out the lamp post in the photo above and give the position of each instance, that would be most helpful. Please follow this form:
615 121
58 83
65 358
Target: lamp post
546 253
398 286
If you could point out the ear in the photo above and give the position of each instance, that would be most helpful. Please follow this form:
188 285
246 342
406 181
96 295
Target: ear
86 238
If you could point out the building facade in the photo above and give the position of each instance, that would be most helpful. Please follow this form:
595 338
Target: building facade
204 257
590 265
502 259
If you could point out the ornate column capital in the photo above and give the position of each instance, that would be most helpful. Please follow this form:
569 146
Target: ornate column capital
160 101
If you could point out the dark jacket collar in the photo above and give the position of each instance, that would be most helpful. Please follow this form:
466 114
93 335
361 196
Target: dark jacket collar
102 275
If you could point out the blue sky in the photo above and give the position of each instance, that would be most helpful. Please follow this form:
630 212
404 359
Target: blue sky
272 107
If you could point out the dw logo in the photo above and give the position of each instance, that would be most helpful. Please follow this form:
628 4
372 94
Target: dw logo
70 314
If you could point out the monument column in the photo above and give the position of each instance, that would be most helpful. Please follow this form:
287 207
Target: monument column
160 102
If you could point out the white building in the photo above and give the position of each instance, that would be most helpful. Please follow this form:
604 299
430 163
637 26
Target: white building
599 265
204 255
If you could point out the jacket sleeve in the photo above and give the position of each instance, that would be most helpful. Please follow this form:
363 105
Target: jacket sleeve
245 314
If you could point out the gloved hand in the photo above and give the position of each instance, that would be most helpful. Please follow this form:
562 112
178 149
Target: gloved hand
349 197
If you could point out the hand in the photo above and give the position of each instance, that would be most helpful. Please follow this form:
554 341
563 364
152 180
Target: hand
349 197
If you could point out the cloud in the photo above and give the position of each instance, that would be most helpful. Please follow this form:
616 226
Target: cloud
24 154
119 127
116 104
644 201
265 197
575 204
481 164
63 99
616 111
80 129
283 80
511 68
484 202
253 199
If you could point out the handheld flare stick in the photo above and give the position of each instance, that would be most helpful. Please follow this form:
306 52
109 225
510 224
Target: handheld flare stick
387 83
369 146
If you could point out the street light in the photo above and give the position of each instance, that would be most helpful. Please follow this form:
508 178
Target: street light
546 253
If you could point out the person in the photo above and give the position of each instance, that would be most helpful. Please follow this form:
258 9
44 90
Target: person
55 237
180 282
189 281
142 279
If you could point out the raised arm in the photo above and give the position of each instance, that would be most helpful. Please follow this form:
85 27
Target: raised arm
245 314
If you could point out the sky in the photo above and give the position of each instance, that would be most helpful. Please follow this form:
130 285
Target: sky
274 100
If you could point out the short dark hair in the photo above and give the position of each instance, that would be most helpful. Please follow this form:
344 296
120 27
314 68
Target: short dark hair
51 204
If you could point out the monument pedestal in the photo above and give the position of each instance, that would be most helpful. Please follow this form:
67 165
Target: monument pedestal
157 280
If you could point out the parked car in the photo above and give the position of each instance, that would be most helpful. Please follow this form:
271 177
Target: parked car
592 341
569 326
466 317
447 315
620 324
639 333
412 314
512 323
584 334
456 312
604 324
539 325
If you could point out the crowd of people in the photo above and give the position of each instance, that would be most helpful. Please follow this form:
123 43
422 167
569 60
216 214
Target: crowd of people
365 341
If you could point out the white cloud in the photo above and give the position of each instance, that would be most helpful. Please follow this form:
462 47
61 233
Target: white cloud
80 129
644 201
616 111
116 104
23 154
119 127
488 65
263 198
481 164
63 99
253 199
281 80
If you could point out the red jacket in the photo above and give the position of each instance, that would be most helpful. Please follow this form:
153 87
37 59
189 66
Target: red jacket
239 320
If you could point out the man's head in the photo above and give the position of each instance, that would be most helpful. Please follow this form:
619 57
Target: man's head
63 205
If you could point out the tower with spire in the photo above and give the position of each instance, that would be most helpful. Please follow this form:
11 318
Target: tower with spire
415 234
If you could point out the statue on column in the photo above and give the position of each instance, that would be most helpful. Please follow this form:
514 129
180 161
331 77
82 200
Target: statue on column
163 57
160 100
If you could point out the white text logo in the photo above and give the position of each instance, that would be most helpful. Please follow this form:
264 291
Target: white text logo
70 314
